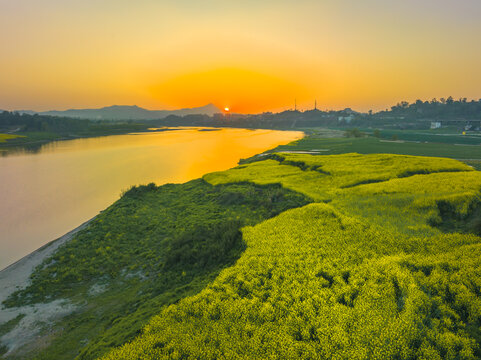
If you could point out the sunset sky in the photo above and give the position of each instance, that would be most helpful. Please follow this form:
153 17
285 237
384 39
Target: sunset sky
250 55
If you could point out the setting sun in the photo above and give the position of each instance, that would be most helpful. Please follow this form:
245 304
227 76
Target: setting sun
264 179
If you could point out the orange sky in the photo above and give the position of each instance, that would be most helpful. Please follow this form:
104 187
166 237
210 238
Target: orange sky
251 56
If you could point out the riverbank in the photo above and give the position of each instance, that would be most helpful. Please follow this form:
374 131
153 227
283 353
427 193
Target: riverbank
16 275
27 321
33 141
151 248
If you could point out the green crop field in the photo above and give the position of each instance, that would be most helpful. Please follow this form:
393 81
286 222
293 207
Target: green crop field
286 256
367 273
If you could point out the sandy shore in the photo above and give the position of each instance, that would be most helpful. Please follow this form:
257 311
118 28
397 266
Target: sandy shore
17 276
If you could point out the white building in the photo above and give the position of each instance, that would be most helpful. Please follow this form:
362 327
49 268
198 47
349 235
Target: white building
346 119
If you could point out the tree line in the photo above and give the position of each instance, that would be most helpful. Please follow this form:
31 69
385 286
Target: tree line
18 122
437 109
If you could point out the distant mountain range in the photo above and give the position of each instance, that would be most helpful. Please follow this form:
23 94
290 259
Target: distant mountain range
126 112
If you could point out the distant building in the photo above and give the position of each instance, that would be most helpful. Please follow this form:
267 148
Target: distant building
346 119
435 124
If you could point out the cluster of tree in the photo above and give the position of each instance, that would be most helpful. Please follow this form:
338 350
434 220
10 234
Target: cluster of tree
355 132
436 109
26 122
283 120
14 121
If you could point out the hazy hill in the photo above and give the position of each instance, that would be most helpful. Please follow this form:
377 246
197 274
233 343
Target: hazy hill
125 112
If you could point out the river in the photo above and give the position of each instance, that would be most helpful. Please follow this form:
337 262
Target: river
48 193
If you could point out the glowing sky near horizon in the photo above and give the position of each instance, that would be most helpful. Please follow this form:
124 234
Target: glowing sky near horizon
250 55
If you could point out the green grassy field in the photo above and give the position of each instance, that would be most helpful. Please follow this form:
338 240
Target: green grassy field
345 255
442 135
370 145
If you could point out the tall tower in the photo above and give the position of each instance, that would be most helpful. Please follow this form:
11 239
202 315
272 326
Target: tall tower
295 104
315 104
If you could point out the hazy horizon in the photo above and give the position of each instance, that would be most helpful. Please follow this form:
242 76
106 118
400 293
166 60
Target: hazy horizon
109 106
307 107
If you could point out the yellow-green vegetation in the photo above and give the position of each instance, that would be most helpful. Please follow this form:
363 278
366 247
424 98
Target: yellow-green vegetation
151 248
322 177
420 198
382 266
272 172
5 137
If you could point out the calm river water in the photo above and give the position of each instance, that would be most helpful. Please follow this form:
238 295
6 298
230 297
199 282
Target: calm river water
46 194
